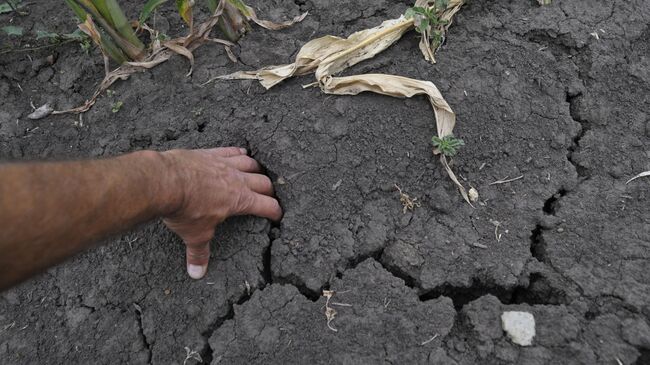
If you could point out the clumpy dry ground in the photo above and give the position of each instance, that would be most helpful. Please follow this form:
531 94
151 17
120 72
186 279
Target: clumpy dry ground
537 95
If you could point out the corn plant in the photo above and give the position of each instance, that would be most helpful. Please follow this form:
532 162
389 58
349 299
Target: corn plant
114 35
105 22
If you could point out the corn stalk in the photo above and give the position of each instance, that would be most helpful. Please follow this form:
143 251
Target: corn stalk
117 39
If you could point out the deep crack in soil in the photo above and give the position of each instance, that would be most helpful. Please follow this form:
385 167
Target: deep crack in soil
537 95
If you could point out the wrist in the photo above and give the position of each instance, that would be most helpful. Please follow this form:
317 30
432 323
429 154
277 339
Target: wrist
165 182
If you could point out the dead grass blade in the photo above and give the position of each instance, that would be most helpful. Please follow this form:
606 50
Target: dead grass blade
331 51
643 174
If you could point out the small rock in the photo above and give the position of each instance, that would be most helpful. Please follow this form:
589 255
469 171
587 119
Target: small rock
520 327
336 185
473 194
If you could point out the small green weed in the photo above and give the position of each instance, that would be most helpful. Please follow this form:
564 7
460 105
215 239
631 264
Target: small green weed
116 106
427 20
448 145
61 38
13 30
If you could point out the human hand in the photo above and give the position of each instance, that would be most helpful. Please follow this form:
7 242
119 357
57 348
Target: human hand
215 184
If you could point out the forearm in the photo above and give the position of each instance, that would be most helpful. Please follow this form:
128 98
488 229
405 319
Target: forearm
49 211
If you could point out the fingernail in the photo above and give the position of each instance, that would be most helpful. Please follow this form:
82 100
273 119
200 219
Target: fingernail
196 271
243 151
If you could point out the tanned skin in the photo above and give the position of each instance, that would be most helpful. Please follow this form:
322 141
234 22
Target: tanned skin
51 211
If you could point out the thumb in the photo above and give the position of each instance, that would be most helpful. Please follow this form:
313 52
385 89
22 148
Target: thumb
197 257
197 245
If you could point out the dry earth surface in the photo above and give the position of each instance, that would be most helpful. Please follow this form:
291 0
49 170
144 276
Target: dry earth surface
559 95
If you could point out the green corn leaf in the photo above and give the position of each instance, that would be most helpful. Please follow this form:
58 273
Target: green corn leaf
77 9
103 8
149 8
122 25
185 10
212 5
97 8
102 40
112 43
13 30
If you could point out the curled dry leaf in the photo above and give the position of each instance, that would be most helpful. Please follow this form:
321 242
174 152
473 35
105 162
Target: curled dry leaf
250 15
396 86
328 50
330 55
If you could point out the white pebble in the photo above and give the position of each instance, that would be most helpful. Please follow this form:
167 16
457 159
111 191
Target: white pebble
520 327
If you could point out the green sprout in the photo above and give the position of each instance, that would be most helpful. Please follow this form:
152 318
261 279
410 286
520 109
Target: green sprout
427 17
448 145
116 106
427 20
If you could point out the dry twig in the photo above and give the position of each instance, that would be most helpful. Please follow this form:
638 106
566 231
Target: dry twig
505 180
408 202
191 354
